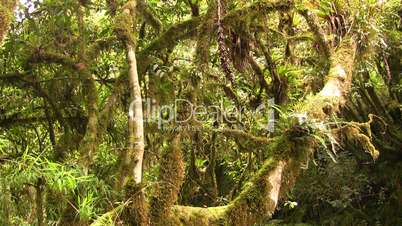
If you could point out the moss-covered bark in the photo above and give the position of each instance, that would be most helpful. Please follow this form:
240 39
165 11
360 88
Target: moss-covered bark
89 143
171 175
204 36
6 14
137 212
148 15
170 38
318 33
259 8
260 197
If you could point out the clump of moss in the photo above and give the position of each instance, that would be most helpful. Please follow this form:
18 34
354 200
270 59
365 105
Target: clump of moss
359 133
137 213
259 197
257 202
258 8
317 107
354 134
124 23
196 216
254 203
171 177
282 147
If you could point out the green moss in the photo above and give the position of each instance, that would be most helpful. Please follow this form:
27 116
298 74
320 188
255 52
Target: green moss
319 35
259 8
123 28
39 56
170 181
137 213
355 134
6 13
254 203
204 35
124 23
149 17
282 147
196 216
317 107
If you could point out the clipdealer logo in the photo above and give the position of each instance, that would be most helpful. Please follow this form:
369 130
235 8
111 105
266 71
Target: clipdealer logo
182 111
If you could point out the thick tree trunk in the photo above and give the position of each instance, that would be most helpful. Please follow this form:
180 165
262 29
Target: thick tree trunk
171 175
131 160
131 165
135 121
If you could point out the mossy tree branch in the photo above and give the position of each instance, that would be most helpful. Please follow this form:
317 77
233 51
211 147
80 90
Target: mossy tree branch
6 14
148 15
43 56
317 31
279 85
239 134
190 28
259 197
204 35
258 8
171 37
23 80
171 175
